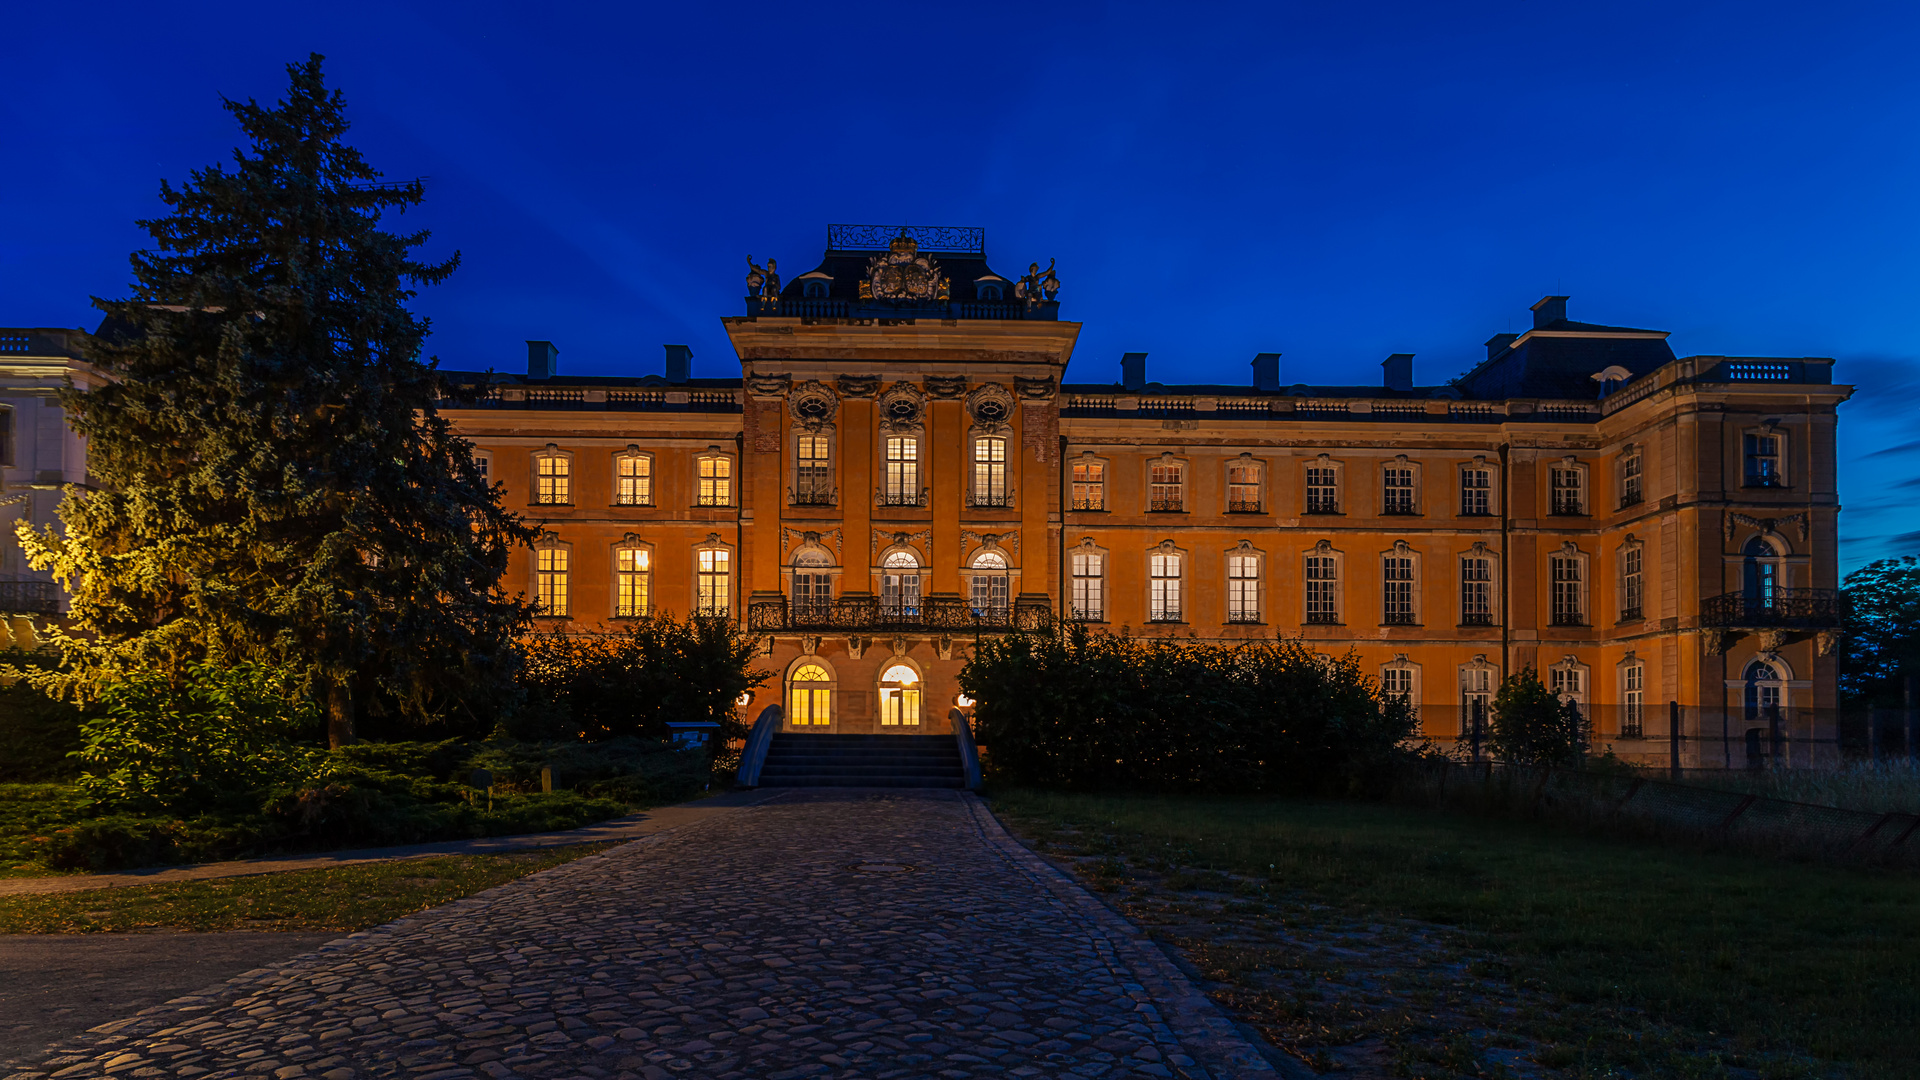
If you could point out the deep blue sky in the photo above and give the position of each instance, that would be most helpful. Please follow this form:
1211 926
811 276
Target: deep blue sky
1332 181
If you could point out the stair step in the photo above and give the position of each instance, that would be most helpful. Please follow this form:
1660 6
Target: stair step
818 780
858 770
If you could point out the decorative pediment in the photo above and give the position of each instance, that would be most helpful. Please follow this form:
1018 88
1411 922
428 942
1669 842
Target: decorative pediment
859 386
1034 389
945 386
991 407
886 538
769 386
829 539
1773 525
1006 541
813 405
902 410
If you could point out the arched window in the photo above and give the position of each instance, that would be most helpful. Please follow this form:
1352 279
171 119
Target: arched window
990 291
1765 694
812 586
1763 690
899 696
990 587
1760 583
900 585
809 695
814 289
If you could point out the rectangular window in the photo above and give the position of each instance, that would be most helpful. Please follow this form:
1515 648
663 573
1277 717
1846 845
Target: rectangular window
812 597
1323 489
552 480
1164 571
1568 494
1396 684
716 481
990 472
903 472
633 480
1396 572
1631 588
989 592
1476 700
1243 588
1397 481
6 442
632 582
1476 591
1763 461
1476 492
713 585
1630 480
550 579
812 472
1632 701
1089 586
1243 488
1089 486
1322 584
1568 609
482 463
900 594
1166 487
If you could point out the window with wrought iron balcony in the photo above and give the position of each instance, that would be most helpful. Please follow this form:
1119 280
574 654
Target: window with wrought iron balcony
898 496
1569 493
980 499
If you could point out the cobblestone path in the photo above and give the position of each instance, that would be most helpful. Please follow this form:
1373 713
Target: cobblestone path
833 933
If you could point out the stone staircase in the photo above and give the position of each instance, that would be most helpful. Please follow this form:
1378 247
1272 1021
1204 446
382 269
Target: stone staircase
921 761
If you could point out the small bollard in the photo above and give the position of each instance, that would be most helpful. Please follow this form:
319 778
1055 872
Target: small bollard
546 780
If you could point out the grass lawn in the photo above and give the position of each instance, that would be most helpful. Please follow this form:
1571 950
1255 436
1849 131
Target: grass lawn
337 900
1373 936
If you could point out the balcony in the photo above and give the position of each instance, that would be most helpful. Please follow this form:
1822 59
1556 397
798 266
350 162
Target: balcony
1781 607
1764 480
1398 509
994 499
1569 618
867 613
900 498
811 496
1243 617
1477 618
1163 505
1243 506
1569 506
1401 618
1090 504
29 598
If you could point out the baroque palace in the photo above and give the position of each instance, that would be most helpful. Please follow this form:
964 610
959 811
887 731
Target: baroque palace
901 468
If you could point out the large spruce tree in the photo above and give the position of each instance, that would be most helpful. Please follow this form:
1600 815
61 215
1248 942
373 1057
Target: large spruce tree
271 481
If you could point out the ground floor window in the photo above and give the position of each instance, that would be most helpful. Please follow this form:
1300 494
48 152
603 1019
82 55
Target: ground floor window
899 696
810 696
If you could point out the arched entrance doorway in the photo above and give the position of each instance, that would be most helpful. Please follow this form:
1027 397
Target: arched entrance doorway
899 696
809 695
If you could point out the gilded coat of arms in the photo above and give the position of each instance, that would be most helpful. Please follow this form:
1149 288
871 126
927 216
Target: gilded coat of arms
904 274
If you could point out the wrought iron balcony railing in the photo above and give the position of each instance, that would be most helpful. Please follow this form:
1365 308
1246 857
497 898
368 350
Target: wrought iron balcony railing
1398 509
29 598
1324 618
1165 505
1401 618
1781 607
1630 614
1317 505
883 497
1477 618
1569 618
1090 504
990 498
1631 498
812 496
870 613
1243 506
1765 480
1569 506
1243 617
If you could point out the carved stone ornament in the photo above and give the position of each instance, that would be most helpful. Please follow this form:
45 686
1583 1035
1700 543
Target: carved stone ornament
813 405
902 410
791 539
810 644
858 385
1773 640
943 646
885 538
1828 642
946 386
858 646
991 407
1034 389
1480 550
769 386
903 275
1718 639
1773 525
1402 548
1324 547
899 645
1006 541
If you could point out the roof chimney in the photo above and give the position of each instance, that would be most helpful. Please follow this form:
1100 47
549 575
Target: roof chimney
543 360
1133 371
1266 371
1500 343
679 364
1550 310
1398 371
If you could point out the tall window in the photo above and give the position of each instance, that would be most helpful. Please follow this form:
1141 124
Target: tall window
899 696
1763 461
1569 607
552 479
1323 583
1569 684
809 696
1631 587
633 480
1163 572
1243 588
1397 483
632 582
1089 485
1396 572
1476 492
6 443
990 472
1243 488
903 472
812 587
713 585
1167 486
900 585
1476 591
989 587
1323 489
812 472
1760 578
1633 681
552 565
1398 682
1476 699
716 480
482 461
1569 495
1089 586
1630 494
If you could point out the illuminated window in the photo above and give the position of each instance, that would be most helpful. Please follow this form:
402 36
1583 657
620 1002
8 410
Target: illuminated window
812 472
716 480
1323 588
809 696
552 478
1476 591
552 564
1764 460
899 696
1167 486
900 585
1089 586
1089 485
990 586
632 582
1476 492
713 582
990 472
903 472
1243 487
812 586
1164 583
1243 588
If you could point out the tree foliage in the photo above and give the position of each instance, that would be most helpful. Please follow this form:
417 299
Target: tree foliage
631 683
272 483
1092 710
1882 649
1532 726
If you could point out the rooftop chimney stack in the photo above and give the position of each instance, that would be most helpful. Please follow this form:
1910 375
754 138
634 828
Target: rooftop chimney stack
1550 310
543 360
1398 371
1266 371
1500 343
1133 371
679 364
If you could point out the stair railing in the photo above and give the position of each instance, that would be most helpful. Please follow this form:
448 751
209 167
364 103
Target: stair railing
969 753
758 740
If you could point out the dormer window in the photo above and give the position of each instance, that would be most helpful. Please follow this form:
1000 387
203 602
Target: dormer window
990 292
814 290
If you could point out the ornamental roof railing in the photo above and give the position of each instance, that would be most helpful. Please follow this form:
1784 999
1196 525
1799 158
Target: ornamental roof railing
939 239
953 614
1779 607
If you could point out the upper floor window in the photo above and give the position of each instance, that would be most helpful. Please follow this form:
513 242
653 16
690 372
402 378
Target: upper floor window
1243 487
1569 490
1089 485
6 442
1476 696
1568 681
1089 586
1243 587
632 581
1633 689
633 479
482 461
990 290
814 289
989 587
552 570
1323 589
713 581
552 477
1396 583
716 480
1163 573
812 585
1569 589
990 471
1765 460
1400 682
1630 491
1632 586
1396 485
1476 491
1476 590
1761 576
1323 488
900 585
1166 486
812 471
901 485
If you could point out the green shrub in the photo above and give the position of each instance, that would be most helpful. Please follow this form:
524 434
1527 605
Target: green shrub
629 769
657 669
1531 726
39 735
